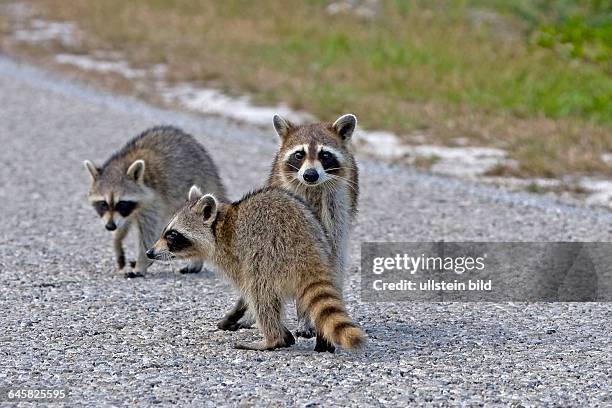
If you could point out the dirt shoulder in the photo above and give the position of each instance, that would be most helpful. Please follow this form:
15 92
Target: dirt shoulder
439 94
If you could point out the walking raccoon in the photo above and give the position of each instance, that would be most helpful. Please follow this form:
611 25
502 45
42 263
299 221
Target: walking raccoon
144 183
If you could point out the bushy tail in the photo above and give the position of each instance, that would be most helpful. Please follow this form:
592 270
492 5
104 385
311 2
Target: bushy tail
319 299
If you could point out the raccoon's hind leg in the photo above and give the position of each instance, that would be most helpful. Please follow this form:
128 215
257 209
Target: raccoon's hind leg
268 312
193 267
323 345
305 327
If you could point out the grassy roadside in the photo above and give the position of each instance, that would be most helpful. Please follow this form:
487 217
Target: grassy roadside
485 72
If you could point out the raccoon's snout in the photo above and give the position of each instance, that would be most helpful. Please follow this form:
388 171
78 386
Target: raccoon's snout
162 255
311 175
151 253
111 226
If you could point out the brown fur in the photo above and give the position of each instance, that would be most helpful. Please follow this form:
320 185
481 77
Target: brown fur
272 247
334 199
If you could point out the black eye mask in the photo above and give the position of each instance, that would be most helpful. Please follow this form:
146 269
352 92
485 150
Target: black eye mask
295 160
176 241
101 207
125 208
329 161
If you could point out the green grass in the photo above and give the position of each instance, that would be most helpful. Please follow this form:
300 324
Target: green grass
533 77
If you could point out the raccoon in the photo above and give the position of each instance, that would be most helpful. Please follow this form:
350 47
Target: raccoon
144 183
315 163
273 248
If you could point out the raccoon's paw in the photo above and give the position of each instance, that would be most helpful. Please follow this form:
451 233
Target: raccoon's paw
323 345
133 274
229 325
190 269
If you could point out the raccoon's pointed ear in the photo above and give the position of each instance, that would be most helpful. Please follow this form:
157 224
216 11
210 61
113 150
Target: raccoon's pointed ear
136 171
282 126
194 193
345 125
206 207
92 169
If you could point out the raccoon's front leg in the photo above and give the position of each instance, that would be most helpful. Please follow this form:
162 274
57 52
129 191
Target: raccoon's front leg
118 237
230 320
268 313
237 318
147 236
142 263
193 267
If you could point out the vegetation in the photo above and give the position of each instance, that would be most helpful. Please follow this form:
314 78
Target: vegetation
530 76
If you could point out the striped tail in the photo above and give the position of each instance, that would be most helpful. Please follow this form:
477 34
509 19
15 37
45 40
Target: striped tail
320 300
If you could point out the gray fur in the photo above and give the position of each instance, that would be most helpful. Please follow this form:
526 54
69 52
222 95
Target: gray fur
154 169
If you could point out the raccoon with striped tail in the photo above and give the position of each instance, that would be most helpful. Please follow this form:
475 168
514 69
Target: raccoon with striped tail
272 247
315 163
144 183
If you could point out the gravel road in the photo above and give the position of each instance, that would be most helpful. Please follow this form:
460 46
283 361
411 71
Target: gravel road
67 321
